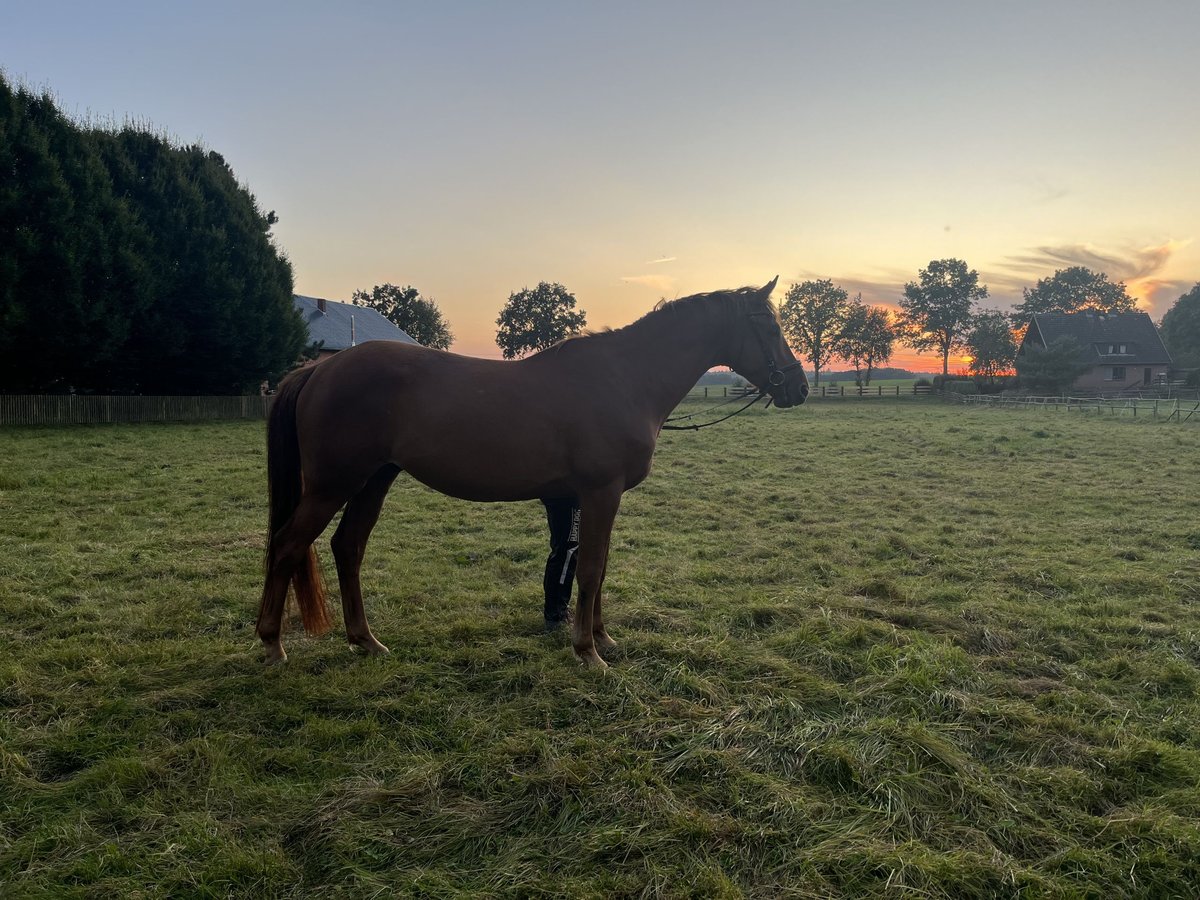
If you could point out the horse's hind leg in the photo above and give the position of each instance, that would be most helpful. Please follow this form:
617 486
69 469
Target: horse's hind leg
349 543
598 510
289 547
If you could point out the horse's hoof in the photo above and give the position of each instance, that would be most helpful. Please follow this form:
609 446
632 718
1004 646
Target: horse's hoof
590 659
370 647
275 655
603 641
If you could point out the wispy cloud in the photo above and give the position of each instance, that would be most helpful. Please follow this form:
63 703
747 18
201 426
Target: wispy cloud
665 284
660 260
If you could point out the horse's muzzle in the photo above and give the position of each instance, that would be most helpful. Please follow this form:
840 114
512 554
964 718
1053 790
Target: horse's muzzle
790 393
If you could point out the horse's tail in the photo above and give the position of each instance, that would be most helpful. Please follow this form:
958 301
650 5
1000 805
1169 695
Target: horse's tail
285 488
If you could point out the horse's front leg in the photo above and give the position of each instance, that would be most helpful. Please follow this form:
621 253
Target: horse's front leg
600 635
598 510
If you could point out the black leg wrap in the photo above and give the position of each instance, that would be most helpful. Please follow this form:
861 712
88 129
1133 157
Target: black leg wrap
563 518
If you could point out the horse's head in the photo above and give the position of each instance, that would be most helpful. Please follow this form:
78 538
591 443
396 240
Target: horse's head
759 353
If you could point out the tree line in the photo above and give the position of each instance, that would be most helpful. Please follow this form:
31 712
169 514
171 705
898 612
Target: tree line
938 312
131 264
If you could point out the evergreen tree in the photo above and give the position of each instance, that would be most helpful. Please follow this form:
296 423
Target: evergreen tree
222 318
130 265
65 277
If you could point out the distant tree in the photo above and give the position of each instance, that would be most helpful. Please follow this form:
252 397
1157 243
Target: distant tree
405 308
1070 290
1180 330
535 319
937 310
865 340
812 313
1052 368
991 343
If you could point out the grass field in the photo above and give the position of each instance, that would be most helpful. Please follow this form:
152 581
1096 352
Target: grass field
896 649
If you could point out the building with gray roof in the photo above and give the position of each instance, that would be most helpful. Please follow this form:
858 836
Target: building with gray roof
1125 349
339 326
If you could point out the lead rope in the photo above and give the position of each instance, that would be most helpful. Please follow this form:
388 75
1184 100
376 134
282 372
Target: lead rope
753 400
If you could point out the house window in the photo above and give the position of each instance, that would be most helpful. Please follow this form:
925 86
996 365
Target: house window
1116 373
1117 348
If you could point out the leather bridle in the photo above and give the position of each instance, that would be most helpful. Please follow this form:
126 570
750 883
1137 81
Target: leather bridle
775 375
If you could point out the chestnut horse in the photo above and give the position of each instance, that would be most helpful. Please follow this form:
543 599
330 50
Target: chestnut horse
578 420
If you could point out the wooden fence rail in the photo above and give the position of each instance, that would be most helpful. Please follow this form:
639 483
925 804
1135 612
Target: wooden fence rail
1174 409
824 392
88 410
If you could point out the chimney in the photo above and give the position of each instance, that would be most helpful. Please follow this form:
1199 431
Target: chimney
321 301
352 341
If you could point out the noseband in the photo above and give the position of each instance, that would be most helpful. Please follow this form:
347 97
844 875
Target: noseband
775 375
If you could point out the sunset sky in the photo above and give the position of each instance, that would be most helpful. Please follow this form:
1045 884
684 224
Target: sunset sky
638 150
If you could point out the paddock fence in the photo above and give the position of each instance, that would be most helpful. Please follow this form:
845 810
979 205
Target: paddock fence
823 392
72 409
1156 409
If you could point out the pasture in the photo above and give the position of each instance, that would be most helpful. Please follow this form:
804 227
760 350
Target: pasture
887 649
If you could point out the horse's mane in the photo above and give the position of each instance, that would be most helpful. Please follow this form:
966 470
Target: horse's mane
741 296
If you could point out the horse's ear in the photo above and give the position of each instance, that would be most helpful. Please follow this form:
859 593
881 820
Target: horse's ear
767 288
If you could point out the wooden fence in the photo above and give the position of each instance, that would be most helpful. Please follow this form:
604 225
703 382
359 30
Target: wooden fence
841 392
1174 409
824 392
57 409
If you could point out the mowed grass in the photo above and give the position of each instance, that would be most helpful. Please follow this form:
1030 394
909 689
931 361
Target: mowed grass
886 649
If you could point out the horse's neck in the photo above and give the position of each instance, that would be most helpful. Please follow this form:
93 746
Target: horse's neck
670 350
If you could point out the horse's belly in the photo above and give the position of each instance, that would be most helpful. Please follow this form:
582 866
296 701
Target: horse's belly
483 483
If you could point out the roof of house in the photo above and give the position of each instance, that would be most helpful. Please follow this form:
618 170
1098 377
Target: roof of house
1102 335
333 325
